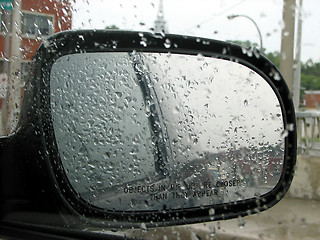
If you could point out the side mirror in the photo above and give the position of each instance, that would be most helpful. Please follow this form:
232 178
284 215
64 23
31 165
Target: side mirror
136 127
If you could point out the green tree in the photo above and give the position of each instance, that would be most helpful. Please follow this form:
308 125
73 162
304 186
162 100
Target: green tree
274 58
310 71
310 82
311 68
310 75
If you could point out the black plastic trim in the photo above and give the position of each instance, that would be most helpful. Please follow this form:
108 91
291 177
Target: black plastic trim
73 42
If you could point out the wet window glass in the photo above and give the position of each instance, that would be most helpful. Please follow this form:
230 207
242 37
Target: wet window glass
255 25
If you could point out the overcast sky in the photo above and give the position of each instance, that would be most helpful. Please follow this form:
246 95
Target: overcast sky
204 18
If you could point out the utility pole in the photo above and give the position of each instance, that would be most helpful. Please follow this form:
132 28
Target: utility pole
13 99
297 68
7 31
287 42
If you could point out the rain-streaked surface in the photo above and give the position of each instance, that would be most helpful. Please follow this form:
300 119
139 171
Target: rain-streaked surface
148 131
296 216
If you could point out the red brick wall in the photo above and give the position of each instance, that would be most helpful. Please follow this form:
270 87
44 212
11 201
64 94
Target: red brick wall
60 10
313 100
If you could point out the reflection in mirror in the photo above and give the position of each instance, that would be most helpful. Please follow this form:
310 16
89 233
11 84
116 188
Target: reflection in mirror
150 131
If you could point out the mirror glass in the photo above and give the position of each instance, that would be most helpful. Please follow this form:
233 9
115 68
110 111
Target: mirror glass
154 131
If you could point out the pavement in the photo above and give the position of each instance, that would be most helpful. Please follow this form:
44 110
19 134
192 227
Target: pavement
290 219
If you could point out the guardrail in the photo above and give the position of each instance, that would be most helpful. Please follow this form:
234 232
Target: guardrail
308 131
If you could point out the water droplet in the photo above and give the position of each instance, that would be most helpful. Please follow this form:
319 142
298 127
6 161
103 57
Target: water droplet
212 230
106 155
176 110
200 57
277 76
194 236
114 44
244 50
91 166
167 43
219 225
65 12
303 222
290 127
118 94
143 42
284 134
211 211
241 222
143 227
309 63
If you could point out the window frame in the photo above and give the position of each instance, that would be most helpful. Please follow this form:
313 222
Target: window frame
37 32
1 21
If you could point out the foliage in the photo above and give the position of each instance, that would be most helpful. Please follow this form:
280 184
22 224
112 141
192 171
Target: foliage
274 58
310 71
311 68
310 82
310 75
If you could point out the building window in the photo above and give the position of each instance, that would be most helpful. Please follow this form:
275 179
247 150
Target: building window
25 67
37 24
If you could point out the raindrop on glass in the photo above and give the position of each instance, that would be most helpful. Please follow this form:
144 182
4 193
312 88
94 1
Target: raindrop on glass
143 227
167 43
241 222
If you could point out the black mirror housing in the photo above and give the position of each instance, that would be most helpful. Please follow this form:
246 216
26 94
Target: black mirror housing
36 180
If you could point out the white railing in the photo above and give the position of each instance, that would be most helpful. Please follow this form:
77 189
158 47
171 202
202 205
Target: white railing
308 131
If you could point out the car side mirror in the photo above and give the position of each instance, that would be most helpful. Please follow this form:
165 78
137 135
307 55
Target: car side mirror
137 127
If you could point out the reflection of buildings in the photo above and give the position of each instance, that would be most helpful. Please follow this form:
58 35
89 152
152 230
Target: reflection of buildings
264 164
39 19
160 25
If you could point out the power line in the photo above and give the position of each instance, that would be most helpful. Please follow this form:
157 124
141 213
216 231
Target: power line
214 16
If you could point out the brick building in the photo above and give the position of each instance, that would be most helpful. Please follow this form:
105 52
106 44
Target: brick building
39 19
312 99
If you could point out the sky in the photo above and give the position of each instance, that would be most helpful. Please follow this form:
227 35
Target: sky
205 18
